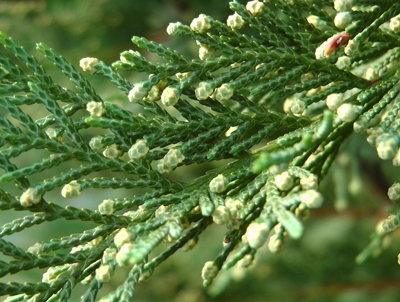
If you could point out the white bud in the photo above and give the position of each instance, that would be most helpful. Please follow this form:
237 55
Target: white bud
233 224
257 234
88 64
218 184
138 150
309 183
209 271
170 96
201 24
103 273
95 143
170 161
387 146
360 125
29 197
95 108
396 159
220 215
223 93
106 207
122 237
173 28
205 52
137 93
343 62
343 19
342 5
391 223
284 181
255 7
112 151
316 21
334 101
235 21
351 48
298 107
311 198
246 261
394 191
204 90
233 205
371 74
348 112
394 24
71 190
275 244
175 229
51 133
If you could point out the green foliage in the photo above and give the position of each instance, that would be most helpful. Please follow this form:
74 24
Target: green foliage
276 96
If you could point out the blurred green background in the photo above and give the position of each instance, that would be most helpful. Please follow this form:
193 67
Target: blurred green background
318 267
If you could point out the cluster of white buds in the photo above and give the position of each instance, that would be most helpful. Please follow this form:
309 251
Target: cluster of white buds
394 24
137 93
201 24
138 150
387 145
95 108
348 112
170 161
343 5
204 90
218 184
223 93
71 190
235 21
343 62
284 181
394 191
170 96
220 215
106 207
257 234
112 151
88 64
255 7
29 197
343 19
209 271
